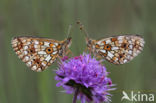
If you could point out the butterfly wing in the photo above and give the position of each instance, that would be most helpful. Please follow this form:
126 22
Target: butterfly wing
119 49
37 53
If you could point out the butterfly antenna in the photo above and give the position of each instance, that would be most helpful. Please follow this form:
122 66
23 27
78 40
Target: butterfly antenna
83 29
69 30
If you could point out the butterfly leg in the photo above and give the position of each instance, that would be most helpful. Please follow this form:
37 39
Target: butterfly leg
64 56
69 52
90 51
98 57
86 50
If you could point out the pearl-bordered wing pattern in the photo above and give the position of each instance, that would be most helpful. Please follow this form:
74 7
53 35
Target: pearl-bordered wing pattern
118 49
39 53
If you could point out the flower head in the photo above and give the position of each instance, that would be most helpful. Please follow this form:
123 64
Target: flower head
85 75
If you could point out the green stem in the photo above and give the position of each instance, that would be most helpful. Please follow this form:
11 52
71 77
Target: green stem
75 95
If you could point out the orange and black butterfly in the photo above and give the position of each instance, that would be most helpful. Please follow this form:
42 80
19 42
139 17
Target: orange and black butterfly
40 53
118 49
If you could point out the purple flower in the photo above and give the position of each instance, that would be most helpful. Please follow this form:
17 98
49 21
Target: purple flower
86 77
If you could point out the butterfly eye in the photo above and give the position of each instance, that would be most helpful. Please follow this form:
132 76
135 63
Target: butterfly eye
89 41
69 40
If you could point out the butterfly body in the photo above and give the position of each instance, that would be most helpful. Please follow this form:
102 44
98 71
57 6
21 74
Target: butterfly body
39 53
118 49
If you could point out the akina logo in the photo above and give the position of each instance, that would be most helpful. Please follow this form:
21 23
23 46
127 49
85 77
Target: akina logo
137 96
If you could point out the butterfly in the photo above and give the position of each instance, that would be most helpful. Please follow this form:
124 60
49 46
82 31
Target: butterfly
39 53
117 49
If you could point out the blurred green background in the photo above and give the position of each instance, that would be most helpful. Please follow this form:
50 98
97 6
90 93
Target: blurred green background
51 18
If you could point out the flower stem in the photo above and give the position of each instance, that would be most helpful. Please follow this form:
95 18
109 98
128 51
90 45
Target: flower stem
75 95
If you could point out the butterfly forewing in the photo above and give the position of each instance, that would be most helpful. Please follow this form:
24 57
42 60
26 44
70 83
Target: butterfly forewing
119 49
37 53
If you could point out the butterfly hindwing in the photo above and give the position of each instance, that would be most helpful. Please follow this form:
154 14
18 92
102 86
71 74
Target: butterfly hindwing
119 49
37 53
